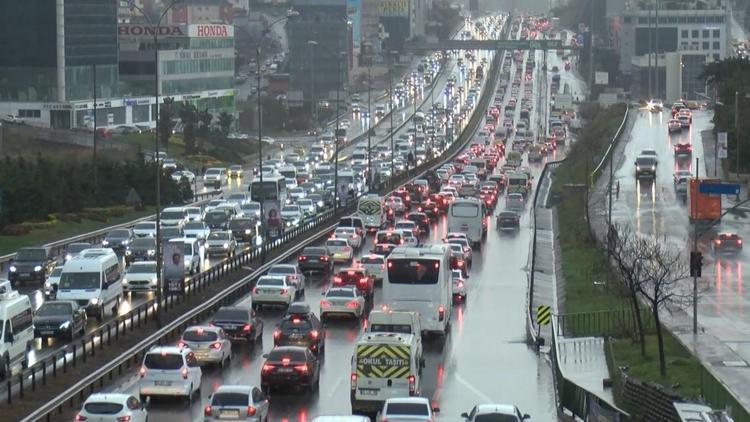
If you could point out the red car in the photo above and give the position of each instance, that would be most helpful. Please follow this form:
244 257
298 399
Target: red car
727 243
683 150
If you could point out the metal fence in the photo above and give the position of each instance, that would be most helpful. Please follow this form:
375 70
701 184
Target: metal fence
607 323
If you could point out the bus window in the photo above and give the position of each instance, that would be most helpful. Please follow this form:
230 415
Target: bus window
465 210
413 271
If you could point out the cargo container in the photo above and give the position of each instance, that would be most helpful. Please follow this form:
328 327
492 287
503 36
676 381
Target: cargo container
703 207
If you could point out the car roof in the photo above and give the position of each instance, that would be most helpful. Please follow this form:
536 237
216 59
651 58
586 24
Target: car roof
167 350
507 409
234 389
108 397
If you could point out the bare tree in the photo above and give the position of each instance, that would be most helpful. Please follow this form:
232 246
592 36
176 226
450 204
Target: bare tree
626 252
664 267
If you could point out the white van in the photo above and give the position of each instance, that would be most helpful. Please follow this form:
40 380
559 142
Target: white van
17 328
93 280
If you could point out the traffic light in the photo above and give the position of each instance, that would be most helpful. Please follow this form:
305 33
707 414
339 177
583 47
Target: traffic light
696 264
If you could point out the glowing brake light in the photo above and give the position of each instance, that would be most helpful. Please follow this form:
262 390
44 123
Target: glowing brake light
441 313
216 345
142 371
302 258
268 367
81 418
314 334
283 290
412 385
337 280
301 368
285 361
251 411
184 373
207 411
325 304
352 304
276 333
295 320
353 381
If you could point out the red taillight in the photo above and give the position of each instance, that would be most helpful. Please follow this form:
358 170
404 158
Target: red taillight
718 241
251 411
181 344
352 304
246 328
267 367
346 249
125 418
207 411
324 258
216 345
302 258
353 381
255 290
301 368
739 241
412 385
325 304
337 280
81 418
142 371
460 284
184 373
460 264
283 291
441 313
276 333
314 334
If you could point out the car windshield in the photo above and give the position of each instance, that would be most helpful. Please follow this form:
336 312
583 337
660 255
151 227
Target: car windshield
84 281
172 215
270 281
231 315
290 208
145 226
335 242
55 308
276 355
77 247
230 399
142 268
216 216
218 236
168 361
645 161
144 243
296 324
56 272
495 417
103 408
241 224
341 293
413 271
199 335
281 270
371 260
410 409
194 226
119 233
391 328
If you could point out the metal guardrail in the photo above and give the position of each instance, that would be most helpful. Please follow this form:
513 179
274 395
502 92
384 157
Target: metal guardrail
610 148
324 223
59 246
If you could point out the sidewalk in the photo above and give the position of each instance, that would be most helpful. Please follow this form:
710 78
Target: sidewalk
583 361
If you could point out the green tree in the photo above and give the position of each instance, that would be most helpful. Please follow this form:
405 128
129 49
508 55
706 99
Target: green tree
225 122
205 127
189 117
166 123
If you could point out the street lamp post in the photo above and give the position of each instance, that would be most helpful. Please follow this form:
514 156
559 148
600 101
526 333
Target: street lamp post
369 128
336 133
159 275
391 105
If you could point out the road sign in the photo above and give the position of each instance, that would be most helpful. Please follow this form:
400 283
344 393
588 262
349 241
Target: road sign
528 44
719 188
417 46
543 314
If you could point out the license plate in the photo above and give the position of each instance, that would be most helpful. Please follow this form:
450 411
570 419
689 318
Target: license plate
25 274
47 332
369 391
296 336
285 370
163 383
464 227
229 413
230 327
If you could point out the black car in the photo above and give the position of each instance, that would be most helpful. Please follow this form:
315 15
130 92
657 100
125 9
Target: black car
141 249
118 240
243 229
59 319
300 327
508 220
75 248
421 220
315 258
239 323
31 264
217 220
645 167
290 366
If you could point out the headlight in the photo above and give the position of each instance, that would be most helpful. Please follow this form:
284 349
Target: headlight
105 242
154 281
248 231
226 245
12 268
151 252
68 257
125 242
65 325
38 268
94 301
124 281
653 168
128 252
47 285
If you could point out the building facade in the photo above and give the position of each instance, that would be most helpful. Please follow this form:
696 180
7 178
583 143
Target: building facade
201 11
50 51
324 22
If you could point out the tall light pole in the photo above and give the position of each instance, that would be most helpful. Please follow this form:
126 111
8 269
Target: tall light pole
369 128
338 57
159 275
391 106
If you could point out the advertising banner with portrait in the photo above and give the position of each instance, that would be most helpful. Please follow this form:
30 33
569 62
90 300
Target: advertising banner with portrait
174 268
272 219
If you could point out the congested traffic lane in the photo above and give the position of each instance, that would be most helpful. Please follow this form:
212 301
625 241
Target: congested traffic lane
484 359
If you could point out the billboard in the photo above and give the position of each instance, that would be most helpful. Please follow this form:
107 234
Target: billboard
174 268
272 219
394 8
354 15
210 30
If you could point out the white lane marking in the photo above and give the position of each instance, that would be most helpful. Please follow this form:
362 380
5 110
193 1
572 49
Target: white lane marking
473 389
335 387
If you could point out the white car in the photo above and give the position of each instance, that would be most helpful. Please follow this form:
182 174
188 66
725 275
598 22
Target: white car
209 344
342 301
53 280
180 174
292 273
407 225
112 407
408 409
409 238
194 213
465 247
492 412
238 403
396 204
212 204
459 284
140 277
239 198
169 371
350 233
374 264
273 290
196 229
251 209
291 215
456 180
307 206
340 249
145 229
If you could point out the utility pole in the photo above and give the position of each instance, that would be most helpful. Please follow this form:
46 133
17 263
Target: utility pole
737 131
391 106
695 267
336 136
650 52
369 127
591 51
656 56
260 160
96 170
314 110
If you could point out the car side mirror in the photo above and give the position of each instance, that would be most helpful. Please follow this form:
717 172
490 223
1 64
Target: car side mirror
465 415
436 409
526 416
265 356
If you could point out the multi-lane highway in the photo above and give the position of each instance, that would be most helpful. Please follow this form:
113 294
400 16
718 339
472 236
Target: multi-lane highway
484 359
